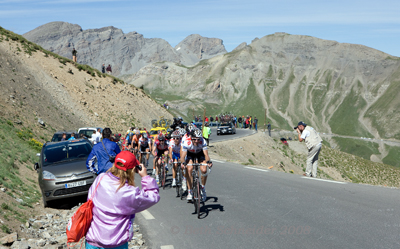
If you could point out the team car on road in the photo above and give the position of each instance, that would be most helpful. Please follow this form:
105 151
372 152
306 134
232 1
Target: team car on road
62 169
226 128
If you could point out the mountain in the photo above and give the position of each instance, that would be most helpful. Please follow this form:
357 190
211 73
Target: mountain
126 53
339 88
37 84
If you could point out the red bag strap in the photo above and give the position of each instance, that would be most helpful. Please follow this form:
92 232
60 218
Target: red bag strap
91 198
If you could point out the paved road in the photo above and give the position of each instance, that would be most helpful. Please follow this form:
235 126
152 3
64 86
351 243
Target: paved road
253 208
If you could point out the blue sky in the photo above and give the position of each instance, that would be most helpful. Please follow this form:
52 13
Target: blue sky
374 24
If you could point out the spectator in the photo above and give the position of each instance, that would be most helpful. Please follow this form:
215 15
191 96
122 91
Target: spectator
72 136
92 139
103 68
74 52
216 119
206 133
269 128
240 121
255 123
250 122
108 69
313 142
99 158
116 202
64 137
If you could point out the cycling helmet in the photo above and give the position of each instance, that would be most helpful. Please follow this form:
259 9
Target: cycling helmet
137 132
161 137
176 134
190 127
145 135
196 133
182 131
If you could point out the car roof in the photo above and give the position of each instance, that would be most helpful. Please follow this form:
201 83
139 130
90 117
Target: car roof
65 142
61 132
90 128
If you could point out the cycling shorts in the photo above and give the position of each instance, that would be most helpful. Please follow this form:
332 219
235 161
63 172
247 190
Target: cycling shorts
199 156
176 156
160 152
143 148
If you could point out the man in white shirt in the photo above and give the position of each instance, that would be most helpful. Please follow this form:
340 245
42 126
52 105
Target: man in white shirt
314 143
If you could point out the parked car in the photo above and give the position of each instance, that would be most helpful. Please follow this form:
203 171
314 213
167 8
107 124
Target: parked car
154 132
88 131
62 169
58 135
226 128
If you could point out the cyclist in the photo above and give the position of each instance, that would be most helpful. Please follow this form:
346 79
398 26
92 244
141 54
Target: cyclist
135 141
174 153
160 147
128 138
144 146
195 148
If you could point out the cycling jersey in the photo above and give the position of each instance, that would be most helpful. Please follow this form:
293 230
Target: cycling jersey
175 148
135 139
159 146
144 143
189 146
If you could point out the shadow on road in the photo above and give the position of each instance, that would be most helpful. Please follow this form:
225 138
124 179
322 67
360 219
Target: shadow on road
207 208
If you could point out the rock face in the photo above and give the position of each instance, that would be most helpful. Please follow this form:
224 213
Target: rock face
126 53
338 88
195 48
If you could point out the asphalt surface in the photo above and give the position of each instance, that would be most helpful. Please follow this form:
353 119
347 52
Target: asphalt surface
252 208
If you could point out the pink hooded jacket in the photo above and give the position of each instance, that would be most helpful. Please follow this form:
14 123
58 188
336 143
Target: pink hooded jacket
114 212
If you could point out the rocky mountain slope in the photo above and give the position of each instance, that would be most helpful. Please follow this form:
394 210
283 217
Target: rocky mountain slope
338 88
126 53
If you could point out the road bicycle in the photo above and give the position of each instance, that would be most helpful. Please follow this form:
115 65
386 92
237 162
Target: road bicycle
196 186
162 175
144 158
179 177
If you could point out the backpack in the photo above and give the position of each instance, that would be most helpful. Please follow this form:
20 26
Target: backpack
79 223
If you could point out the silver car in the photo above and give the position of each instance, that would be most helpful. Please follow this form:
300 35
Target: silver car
62 169
226 128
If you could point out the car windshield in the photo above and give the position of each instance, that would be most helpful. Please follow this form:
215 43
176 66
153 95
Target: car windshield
86 133
65 152
227 124
153 132
58 137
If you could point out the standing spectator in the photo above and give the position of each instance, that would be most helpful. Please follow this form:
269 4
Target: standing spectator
250 122
74 52
196 119
313 142
205 119
116 202
99 158
255 123
247 122
240 121
269 129
216 119
64 137
108 69
92 139
200 120
206 132
235 121
97 136
103 68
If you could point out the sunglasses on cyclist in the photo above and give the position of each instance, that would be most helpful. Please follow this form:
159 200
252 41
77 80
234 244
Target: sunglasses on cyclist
162 140
177 138
195 139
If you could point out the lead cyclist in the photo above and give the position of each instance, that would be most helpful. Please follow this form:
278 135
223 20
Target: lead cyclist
195 148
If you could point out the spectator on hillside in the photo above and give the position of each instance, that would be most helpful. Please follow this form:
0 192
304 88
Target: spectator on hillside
74 52
255 123
103 68
251 122
100 158
269 128
216 119
314 144
108 69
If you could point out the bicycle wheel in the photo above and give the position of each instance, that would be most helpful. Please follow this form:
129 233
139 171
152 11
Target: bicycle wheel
179 180
195 195
163 174
198 199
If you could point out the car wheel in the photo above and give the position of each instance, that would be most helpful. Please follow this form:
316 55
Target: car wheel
45 203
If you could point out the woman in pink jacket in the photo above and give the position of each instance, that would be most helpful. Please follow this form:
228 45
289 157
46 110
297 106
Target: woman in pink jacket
116 202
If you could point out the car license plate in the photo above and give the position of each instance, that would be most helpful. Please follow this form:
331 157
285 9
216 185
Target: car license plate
75 184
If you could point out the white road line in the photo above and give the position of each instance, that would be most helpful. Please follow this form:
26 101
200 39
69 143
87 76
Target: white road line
167 247
147 215
265 170
218 161
323 180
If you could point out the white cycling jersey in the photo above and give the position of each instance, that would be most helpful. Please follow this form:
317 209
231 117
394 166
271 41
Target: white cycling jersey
175 148
187 145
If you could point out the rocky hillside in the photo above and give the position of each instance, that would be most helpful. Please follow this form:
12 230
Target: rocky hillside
339 88
126 53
